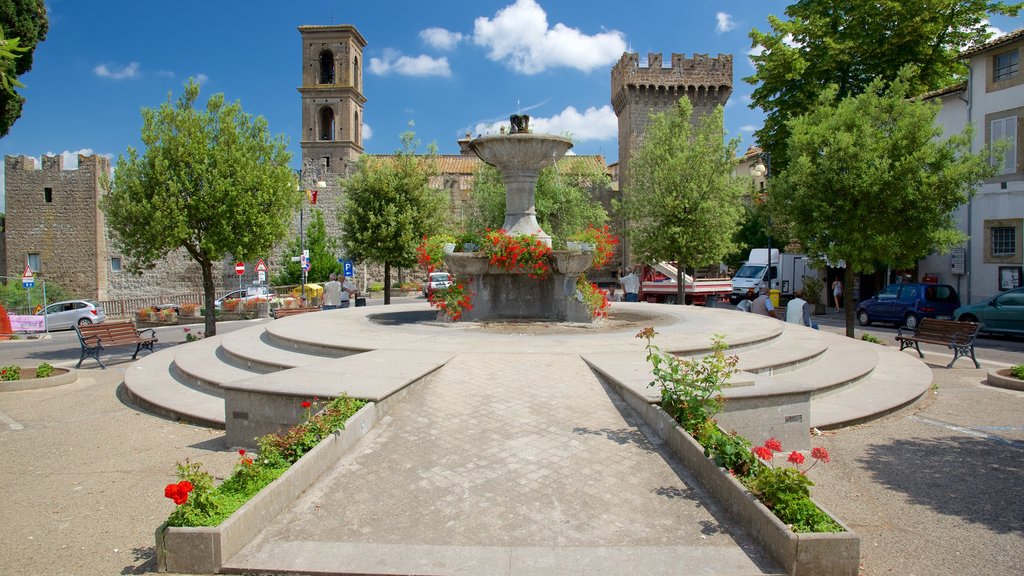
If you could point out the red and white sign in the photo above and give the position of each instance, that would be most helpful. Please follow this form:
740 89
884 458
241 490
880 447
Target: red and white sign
240 268
261 266
28 274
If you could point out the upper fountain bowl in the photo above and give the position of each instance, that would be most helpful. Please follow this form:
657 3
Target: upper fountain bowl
517 152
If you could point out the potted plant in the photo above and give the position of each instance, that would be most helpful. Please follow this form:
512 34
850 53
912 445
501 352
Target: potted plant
600 241
814 287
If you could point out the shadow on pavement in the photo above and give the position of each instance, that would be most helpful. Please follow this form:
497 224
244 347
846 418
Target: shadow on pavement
975 479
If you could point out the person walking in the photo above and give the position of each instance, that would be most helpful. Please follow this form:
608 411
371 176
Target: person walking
837 292
763 304
332 292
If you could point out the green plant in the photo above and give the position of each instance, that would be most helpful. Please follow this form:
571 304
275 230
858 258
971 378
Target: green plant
691 390
468 240
430 252
872 339
190 337
452 301
603 240
278 449
592 297
193 495
376 286
813 289
785 490
9 373
44 370
729 450
517 252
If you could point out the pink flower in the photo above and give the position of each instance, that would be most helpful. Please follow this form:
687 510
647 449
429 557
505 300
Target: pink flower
796 457
773 445
820 453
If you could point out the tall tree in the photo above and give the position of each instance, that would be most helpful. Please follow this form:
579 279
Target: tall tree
323 253
869 182
683 203
23 25
213 182
848 43
389 206
565 197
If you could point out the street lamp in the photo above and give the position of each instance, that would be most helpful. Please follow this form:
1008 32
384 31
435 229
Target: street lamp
312 179
763 169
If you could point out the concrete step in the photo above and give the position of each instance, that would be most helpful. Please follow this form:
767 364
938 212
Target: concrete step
797 346
255 350
151 383
844 363
205 366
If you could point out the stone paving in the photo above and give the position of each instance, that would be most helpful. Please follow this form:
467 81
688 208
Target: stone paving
485 467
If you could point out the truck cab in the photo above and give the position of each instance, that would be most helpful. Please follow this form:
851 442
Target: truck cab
786 272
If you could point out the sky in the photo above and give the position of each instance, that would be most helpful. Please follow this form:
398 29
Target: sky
446 66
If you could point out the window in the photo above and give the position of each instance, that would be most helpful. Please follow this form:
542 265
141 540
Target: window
1005 66
115 264
355 72
326 67
35 262
326 124
48 194
1004 241
1004 129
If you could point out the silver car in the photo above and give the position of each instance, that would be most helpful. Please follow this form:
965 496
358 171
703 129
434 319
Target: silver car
69 313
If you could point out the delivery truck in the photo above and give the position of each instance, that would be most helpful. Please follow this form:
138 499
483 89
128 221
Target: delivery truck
787 274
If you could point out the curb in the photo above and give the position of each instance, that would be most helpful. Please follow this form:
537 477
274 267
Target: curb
61 377
1004 379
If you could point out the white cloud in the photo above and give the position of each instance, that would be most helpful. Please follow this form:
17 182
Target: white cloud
440 38
367 131
995 32
748 128
747 99
593 124
421 65
201 79
519 36
725 22
71 157
129 71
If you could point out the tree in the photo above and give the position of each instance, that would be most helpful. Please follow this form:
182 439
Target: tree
322 248
23 25
564 198
849 43
213 182
683 203
869 182
389 206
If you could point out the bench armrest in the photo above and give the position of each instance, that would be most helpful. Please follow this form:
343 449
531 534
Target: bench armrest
152 332
900 334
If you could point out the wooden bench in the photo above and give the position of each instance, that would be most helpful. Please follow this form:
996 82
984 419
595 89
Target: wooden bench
958 336
282 312
95 338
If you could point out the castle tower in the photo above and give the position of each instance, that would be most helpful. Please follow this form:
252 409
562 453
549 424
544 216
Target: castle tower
332 95
638 92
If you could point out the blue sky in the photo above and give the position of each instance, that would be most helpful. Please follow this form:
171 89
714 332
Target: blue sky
447 66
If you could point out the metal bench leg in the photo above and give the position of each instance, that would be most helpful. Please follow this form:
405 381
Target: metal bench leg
92 353
962 351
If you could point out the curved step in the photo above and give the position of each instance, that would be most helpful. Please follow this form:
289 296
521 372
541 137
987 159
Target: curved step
151 383
255 350
795 347
204 365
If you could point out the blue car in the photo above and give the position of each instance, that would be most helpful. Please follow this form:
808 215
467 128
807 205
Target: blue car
907 304
1002 314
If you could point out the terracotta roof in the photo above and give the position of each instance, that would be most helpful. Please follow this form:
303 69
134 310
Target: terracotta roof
1005 38
943 91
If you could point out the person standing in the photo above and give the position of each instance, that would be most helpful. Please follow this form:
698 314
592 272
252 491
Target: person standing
763 304
631 286
332 292
348 291
837 292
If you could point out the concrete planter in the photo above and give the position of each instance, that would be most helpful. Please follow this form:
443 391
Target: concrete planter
463 264
206 550
1005 379
571 263
29 381
820 554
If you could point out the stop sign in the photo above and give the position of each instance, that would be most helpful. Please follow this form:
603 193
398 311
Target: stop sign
240 268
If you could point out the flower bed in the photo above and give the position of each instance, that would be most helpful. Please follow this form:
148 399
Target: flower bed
44 376
206 549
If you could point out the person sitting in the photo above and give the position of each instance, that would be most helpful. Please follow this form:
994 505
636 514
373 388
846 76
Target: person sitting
798 311
744 304
763 304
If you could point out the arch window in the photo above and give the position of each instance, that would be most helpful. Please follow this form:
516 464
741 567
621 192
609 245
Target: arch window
326 67
358 128
326 123
355 72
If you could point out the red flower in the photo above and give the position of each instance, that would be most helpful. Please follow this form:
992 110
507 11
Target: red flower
796 457
247 461
306 404
773 445
178 492
241 452
762 452
820 453
185 486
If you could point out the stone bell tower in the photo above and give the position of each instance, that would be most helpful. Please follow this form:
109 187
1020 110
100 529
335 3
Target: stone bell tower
332 95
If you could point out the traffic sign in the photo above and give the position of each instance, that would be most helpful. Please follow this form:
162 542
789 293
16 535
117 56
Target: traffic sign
261 277
261 266
350 270
305 264
240 268
28 277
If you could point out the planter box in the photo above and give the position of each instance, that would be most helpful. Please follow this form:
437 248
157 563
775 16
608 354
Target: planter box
29 381
819 554
205 550
1004 379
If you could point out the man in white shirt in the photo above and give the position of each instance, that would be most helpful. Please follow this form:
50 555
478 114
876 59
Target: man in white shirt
798 311
348 291
332 293
631 286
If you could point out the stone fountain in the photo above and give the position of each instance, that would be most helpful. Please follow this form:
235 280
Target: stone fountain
499 294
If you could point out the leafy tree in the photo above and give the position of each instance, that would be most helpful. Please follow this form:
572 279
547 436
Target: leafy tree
389 206
213 182
322 253
564 198
848 43
23 25
15 298
683 203
869 182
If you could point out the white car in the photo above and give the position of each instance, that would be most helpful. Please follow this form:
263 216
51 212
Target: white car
244 294
69 313
437 281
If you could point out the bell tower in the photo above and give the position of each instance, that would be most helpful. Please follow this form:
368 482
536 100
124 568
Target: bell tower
332 95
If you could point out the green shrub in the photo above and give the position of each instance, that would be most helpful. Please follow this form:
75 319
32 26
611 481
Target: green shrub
870 338
376 287
8 373
1018 371
44 370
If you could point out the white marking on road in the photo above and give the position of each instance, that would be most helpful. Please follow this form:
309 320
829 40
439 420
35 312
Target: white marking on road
968 431
10 422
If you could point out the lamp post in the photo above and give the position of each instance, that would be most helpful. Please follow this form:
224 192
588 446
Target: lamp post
312 179
763 169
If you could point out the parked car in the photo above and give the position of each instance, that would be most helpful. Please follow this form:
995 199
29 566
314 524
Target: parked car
437 281
243 294
1002 314
69 313
906 304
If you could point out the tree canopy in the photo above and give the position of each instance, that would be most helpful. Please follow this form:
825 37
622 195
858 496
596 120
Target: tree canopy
848 43
23 25
323 253
871 183
564 198
213 182
389 206
683 203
